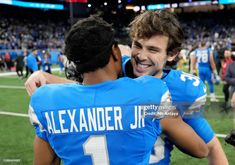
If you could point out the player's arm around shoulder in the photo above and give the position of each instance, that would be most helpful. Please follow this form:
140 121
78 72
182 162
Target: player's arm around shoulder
216 155
184 137
180 133
40 78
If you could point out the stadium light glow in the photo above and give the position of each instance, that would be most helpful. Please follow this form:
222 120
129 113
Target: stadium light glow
136 9
129 7
158 6
8 2
33 4
226 1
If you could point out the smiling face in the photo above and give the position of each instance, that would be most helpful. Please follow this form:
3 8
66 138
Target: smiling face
149 55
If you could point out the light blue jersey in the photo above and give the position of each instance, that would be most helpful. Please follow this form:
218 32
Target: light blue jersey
203 57
204 67
188 93
99 124
32 62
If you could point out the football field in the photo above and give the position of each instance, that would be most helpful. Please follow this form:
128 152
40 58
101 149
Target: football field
17 134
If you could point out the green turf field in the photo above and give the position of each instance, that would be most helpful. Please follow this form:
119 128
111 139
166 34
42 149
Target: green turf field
17 134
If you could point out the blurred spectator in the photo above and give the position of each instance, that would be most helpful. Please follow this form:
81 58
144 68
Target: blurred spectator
61 61
8 61
46 62
19 63
230 79
225 63
32 61
2 64
38 59
25 54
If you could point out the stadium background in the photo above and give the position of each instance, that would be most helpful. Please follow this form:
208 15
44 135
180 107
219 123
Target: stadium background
197 17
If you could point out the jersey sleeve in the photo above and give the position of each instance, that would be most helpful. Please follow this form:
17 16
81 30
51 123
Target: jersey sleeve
166 108
198 122
35 118
197 99
40 131
201 127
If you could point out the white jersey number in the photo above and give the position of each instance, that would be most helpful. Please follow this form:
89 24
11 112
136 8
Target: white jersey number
195 79
203 57
96 147
159 149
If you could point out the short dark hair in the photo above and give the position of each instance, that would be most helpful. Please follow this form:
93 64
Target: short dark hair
88 44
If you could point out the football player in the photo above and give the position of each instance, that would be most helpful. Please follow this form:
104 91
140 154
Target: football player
203 57
100 121
157 37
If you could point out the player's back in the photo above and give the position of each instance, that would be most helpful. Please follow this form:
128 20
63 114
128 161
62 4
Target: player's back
203 57
100 124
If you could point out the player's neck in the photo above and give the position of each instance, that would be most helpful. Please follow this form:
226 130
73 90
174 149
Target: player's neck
99 76
159 74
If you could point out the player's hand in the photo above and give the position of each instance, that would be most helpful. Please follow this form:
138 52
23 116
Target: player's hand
36 80
215 78
193 72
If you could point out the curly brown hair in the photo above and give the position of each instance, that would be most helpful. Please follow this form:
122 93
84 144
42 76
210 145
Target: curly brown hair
160 22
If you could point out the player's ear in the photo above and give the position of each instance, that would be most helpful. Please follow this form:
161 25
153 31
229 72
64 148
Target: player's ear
172 55
116 53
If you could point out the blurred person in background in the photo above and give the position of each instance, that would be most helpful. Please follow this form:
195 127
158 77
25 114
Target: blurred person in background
39 60
2 64
225 63
61 61
32 61
219 55
204 60
19 63
46 65
230 79
25 54
8 61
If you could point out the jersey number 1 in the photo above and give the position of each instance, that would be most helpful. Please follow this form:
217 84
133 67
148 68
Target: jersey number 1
96 147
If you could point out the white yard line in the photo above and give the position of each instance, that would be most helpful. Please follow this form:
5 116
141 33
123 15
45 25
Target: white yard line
14 114
221 135
217 96
11 87
8 74
14 73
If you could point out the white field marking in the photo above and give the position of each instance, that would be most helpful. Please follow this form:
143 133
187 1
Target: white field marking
13 73
216 96
14 114
26 115
221 135
11 87
8 74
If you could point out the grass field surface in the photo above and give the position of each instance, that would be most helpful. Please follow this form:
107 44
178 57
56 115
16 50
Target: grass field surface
17 134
